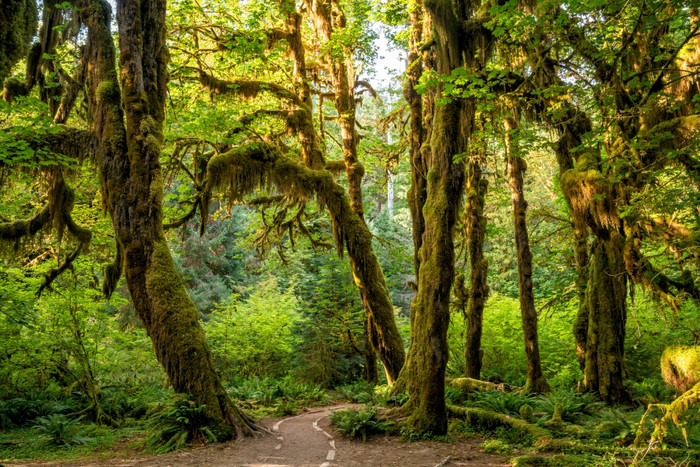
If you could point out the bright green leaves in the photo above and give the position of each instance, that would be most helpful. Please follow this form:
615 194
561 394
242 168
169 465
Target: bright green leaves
465 83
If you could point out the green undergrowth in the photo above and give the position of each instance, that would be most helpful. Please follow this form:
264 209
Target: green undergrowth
566 428
266 397
362 392
27 443
360 423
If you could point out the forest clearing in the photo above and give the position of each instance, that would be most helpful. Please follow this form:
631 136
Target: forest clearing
350 232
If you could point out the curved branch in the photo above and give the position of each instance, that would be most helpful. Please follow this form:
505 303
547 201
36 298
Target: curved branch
246 88
13 231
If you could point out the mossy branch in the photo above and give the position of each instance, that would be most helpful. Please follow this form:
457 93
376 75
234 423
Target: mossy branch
491 420
247 89
13 231
674 413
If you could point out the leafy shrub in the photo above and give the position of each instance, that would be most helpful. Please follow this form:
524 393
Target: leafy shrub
508 403
384 396
359 392
453 395
286 408
573 404
496 446
358 423
269 392
20 411
650 391
60 429
179 422
255 337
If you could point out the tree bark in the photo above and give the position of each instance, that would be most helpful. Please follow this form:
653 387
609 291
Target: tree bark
129 139
607 315
417 135
476 188
371 373
536 382
424 373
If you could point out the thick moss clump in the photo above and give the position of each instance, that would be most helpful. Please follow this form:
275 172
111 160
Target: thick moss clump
472 385
19 19
491 420
680 367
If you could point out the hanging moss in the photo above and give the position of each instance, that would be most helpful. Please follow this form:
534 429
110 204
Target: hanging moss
242 170
678 412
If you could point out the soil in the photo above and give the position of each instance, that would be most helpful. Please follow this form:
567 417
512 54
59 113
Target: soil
308 440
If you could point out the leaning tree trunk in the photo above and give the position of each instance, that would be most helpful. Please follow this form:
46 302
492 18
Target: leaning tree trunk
132 187
371 372
536 382
383 333
476 188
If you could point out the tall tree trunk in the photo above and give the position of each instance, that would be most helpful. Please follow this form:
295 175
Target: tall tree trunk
132 186
599 328
606 296
581 321
428 353
536 382
476 188
424 372
417 135
383 333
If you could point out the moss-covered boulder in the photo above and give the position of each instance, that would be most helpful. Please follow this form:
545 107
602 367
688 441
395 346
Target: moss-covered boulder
680 367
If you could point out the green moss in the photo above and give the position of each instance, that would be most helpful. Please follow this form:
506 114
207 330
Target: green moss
680 367
471 385
19 24
526 412
432 175
557 460
491 420
556 421
108 92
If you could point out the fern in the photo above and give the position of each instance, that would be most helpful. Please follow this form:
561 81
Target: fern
178 423
359 423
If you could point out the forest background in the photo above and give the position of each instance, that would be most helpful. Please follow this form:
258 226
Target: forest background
280 308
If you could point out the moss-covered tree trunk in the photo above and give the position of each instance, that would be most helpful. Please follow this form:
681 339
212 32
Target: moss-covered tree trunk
371 372
451 127
536 382
425 376
369 277
128 125
417 136
580 327
476 188
606 296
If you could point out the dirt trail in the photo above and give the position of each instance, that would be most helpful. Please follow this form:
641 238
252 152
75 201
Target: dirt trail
308 440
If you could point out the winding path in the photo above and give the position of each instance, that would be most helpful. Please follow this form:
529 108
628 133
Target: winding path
306 440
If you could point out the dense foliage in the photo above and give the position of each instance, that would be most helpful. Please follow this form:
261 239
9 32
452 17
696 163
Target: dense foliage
319 225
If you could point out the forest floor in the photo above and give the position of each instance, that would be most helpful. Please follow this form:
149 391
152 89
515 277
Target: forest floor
304 440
